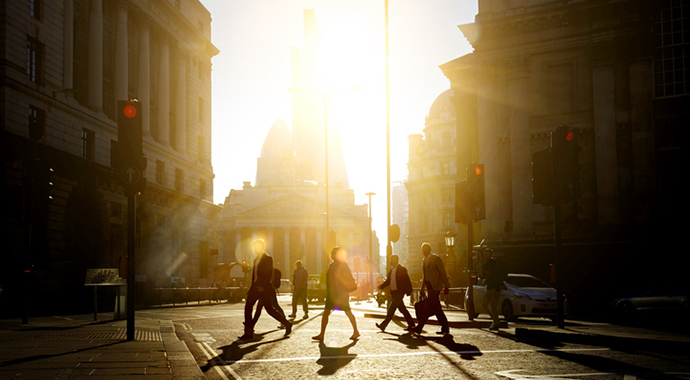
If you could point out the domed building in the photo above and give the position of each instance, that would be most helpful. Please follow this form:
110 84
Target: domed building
287 204
431 185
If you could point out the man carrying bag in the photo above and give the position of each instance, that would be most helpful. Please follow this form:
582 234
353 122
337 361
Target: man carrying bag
435 279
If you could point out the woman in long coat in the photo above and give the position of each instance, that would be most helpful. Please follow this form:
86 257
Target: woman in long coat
339 284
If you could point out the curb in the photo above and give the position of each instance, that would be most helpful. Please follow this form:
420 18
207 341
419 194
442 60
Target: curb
183 366
454 324
633 341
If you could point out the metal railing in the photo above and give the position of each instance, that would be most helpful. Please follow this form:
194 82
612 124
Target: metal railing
183 296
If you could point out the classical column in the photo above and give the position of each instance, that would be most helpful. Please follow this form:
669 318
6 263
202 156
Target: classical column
121 56
319 268
144 77
181 104
68 45
606 152
287 250
520 156
95 67
238 245
487 120
164 94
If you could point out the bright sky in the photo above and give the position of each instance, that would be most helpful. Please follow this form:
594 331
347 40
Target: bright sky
251 78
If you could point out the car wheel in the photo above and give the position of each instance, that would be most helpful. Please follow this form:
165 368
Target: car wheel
508 311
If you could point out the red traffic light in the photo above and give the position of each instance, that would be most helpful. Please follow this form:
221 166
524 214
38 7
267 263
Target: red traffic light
478 170
130 111
570 136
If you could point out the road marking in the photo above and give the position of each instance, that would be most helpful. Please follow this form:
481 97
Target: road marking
218 362
513 375
472 352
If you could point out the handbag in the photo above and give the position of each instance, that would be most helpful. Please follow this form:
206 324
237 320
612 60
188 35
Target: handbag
421 307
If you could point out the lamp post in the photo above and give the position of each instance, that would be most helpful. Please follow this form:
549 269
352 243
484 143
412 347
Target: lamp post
371 249
325 98
450 243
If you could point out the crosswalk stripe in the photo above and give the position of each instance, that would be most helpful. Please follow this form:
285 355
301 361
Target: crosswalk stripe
360 356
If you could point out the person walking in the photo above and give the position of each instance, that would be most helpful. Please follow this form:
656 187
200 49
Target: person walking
262 291
300 278
339 285
434 280
494 275
400 284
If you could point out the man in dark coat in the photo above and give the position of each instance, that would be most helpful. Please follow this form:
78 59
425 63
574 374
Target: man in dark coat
435 280
400 285
494 274
262 290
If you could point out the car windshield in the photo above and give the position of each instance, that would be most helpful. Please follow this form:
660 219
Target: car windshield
526 282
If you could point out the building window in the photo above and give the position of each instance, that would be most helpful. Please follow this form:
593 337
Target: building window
160 172
672 49
88 144
201 110
179 180
115 210
35 9
446 195
202 188
37 124
34 59
446 220
201 148
113 153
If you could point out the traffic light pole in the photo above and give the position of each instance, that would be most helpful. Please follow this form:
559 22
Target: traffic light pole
557 257
470 292
131 240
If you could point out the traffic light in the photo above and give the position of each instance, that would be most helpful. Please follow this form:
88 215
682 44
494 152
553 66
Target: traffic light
129 135
566 162
475 178
542 178
462 203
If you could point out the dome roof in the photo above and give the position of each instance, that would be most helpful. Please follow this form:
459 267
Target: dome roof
442 109
278 141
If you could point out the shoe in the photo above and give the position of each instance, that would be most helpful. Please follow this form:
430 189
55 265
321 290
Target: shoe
416 330
246 336
305 316
443 332
383 328
317 337
410 328
291 316
355 336
288 329
493 327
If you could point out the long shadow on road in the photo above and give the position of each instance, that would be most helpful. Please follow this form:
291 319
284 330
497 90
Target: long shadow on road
334 358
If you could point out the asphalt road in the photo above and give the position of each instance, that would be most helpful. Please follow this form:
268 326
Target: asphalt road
211 334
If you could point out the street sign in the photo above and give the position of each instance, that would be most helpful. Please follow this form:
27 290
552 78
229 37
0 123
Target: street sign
394 233
130 175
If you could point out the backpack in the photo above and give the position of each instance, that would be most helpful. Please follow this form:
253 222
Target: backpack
276 278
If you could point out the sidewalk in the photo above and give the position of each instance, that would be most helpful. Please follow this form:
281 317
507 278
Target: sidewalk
77 347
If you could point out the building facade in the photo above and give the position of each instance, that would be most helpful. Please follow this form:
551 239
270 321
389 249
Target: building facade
401 217
618 71
430 186
288 211
65 64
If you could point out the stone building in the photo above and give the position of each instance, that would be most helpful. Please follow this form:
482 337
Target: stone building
401 217
431 184
287 211
618 71
287 204
65 64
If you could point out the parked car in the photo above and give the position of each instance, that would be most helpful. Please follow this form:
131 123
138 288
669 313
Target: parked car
658 298
522 295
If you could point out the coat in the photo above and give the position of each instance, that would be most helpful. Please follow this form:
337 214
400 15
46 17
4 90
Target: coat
402 280
435 273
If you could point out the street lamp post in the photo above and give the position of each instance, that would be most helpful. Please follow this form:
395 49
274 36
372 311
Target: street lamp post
371 249
450 243
325 98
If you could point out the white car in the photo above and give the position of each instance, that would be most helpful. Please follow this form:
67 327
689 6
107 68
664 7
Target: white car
522 295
